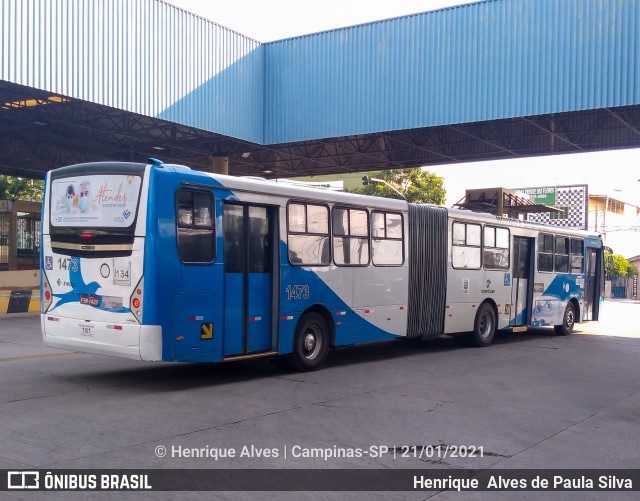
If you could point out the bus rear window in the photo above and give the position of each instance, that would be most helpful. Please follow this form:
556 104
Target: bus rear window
95 201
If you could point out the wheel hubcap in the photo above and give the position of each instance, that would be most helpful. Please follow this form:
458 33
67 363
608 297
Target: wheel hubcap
485 325
570 318
311 343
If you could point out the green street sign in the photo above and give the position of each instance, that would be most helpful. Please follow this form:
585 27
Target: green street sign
542 195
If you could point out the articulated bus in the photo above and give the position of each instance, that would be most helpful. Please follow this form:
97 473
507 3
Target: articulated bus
163 263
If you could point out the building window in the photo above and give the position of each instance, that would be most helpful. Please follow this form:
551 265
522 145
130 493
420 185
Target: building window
195 230
350 237
387 243
496 248
466 248
308 234
560 215
545 252
615 206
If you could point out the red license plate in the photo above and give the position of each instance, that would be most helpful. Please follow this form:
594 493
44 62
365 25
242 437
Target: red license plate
89 299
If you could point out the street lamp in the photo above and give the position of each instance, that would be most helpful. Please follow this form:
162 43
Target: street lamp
367 180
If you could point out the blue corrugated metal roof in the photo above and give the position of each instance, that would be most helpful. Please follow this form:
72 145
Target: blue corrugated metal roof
144 56
483 61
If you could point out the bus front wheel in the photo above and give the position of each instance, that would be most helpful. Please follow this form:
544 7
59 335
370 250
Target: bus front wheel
311 343
484 327
568 321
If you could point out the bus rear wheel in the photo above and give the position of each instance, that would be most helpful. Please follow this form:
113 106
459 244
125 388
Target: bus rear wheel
484 327
568 321
310 343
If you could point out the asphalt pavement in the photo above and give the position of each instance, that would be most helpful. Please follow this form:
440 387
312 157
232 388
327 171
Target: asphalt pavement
531 400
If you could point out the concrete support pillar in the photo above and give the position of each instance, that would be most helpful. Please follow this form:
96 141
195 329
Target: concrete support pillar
219 165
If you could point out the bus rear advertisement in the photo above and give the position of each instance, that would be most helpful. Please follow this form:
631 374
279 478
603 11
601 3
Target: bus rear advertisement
159 262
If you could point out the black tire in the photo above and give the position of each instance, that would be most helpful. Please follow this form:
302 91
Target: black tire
310 343
568 321
484 326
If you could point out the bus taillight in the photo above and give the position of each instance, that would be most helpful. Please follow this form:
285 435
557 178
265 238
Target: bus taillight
135 302
47 299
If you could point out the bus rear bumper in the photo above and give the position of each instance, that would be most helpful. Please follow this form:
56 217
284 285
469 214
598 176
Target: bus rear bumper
135 342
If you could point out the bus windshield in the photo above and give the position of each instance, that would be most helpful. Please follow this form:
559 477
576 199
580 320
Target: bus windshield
95 201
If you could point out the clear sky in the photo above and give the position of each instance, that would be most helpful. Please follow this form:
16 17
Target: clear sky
269 20
615 173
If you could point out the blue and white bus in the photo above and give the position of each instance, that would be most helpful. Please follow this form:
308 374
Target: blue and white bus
162 263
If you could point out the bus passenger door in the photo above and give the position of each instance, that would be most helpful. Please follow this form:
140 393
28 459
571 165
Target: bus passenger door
248 233
592 284
523 278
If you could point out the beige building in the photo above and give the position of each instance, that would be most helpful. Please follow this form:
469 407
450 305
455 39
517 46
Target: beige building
618 221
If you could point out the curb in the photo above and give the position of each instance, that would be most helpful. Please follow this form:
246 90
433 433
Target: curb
20 301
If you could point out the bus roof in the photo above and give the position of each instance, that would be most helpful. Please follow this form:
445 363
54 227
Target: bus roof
518 223
302 192
297 191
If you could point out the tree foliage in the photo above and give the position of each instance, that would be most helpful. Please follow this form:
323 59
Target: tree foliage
19 188
417 185
617 266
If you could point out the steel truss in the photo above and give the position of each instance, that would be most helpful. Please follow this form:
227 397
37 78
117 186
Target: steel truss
40 131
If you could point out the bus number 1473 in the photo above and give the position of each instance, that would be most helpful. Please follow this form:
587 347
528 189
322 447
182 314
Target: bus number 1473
297 292
68 264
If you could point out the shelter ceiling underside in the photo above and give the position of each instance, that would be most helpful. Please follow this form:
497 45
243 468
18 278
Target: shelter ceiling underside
38 133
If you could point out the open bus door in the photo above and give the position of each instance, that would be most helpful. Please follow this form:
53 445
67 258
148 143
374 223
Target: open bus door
523 278
250 258
593 284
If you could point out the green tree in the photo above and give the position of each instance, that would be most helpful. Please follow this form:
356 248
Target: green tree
617 266
416 185
20 188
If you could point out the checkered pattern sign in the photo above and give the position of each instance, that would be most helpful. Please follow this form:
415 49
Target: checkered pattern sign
575 200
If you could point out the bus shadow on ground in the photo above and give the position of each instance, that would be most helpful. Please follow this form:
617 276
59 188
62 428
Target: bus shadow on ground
351 355
506 337
176 376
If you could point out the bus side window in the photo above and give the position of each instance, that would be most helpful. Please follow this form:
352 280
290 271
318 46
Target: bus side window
387 242
467 246
308 234
577 256
195 231
350 237
561 259
545 252
496 248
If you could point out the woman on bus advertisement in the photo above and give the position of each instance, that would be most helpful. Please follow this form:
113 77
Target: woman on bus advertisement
78 203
